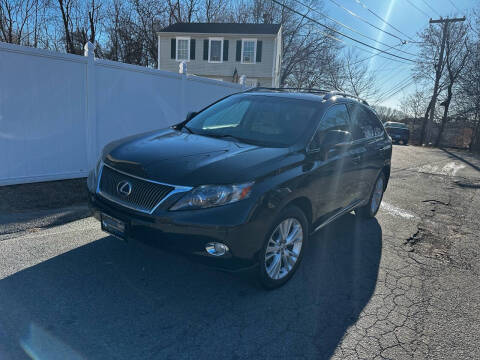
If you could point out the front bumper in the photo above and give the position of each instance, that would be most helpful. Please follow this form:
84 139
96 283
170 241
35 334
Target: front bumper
188 233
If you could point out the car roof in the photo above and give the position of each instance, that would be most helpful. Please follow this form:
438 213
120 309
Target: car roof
395 122
316 96
291 95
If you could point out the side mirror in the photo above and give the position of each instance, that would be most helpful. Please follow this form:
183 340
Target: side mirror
336 141
190 115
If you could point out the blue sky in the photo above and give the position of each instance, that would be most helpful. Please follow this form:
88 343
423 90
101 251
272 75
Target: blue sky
406 18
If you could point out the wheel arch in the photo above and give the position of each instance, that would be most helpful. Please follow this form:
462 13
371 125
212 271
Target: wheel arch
304 204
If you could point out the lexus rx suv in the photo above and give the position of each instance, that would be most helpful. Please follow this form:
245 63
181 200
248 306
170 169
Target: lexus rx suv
243 183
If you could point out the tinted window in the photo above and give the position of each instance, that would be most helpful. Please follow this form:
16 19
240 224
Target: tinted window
365 122
377 124
263 119
336 118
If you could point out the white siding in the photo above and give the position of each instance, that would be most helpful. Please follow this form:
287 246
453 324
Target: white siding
57 111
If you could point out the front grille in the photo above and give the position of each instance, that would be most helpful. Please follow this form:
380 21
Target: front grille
144 196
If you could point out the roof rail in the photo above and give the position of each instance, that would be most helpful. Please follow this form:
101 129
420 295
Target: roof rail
339 93
327 93
307 90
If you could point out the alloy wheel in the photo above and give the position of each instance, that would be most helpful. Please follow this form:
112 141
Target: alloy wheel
283 248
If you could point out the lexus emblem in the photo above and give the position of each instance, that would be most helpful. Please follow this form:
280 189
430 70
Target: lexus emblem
124 188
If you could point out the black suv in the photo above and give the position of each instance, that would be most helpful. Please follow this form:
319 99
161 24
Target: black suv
244 182
398 132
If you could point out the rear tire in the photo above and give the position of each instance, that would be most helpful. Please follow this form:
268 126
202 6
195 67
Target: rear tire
283 249
371 208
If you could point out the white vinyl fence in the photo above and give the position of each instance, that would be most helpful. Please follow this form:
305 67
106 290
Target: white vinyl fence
57 111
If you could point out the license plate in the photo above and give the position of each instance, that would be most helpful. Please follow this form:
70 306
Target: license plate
113 226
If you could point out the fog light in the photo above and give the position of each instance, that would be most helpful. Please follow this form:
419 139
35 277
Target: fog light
216 249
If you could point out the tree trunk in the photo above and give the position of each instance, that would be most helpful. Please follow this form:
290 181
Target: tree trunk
445 114
424 124
66 20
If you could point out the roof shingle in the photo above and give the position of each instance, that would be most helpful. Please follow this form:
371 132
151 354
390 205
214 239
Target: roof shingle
223 28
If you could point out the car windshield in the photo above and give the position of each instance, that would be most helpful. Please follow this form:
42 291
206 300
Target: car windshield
259 119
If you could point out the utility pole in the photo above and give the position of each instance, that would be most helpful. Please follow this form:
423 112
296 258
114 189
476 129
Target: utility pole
427 125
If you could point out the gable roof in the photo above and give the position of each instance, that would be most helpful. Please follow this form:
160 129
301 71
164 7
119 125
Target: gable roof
223 28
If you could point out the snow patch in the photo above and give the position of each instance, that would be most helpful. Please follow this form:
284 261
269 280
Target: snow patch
393 210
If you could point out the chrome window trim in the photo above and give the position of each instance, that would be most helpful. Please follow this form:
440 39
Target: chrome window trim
176 189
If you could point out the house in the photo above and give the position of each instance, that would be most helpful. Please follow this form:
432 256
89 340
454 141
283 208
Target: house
224 51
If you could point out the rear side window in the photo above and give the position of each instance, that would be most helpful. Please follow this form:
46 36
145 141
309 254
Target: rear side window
336 118
365 123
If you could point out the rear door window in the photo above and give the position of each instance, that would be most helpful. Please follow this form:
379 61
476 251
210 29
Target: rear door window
365 123
336 118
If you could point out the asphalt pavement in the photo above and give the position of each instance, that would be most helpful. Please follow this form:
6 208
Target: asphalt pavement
402 286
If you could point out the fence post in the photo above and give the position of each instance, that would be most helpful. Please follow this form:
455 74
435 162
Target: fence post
243 80
91 111
182 70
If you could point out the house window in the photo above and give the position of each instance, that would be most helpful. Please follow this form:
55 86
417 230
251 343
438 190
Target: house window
215 50
183 49
249 49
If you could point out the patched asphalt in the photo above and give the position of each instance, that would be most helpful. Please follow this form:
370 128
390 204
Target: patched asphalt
402 286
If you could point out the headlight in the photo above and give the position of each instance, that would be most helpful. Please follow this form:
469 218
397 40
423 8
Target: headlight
213 195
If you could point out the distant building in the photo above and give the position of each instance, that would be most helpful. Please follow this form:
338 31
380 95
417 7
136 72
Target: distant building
224 51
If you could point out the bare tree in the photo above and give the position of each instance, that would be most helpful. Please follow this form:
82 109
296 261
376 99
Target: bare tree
414 104
456 56
355 77
468 105
388 114
17 18
430 66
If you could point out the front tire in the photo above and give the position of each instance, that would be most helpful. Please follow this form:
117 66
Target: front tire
283 248
371 208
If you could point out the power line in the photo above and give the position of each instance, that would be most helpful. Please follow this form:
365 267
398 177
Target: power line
361 48
390 79
394 87
340 33
366 21
416 7
382 19
396 92
431 8
369 57
351 29
455 6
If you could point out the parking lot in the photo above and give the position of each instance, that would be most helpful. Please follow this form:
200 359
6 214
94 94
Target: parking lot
404 285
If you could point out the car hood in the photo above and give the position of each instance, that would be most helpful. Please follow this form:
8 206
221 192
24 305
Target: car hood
180 158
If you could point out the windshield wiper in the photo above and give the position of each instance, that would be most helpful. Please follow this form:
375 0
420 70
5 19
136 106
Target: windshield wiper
240 139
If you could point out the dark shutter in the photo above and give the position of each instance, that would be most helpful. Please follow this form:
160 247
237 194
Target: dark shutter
205 49
239 50
259 51
192 49
225 50
173 48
